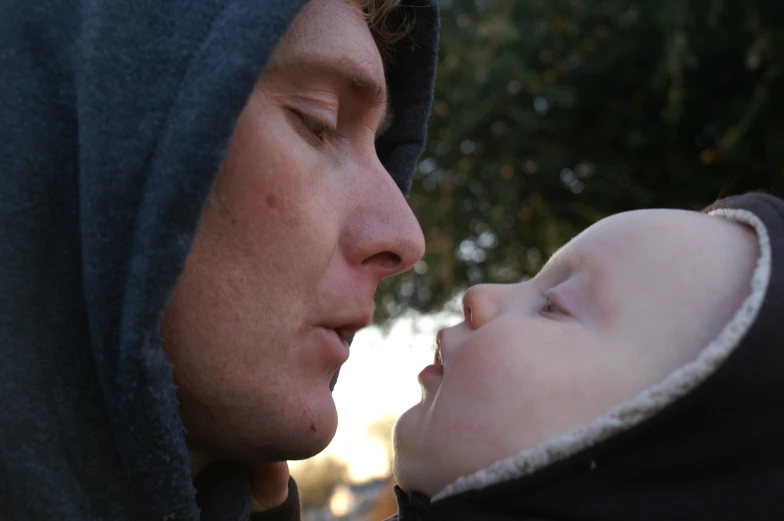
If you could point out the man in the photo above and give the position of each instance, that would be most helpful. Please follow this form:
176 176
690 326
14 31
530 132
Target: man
203 193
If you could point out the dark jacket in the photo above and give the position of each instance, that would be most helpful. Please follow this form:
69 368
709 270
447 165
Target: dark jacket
705 444
114 118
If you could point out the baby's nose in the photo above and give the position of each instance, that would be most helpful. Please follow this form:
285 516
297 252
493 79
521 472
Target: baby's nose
482 302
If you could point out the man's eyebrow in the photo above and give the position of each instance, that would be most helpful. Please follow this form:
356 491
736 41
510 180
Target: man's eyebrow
346 71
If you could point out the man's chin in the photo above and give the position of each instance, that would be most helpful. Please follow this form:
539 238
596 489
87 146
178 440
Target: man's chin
294 448
306 443
299 438
292 438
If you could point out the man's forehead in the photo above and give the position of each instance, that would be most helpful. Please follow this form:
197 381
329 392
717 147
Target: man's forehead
332 30
331 39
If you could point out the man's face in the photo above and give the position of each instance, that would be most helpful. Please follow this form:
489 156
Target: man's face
613 312
301 225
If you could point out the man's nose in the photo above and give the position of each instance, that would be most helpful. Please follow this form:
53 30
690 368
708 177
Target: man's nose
483 302
383 235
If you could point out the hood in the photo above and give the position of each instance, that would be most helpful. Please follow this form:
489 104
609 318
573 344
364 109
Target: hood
116 116
705 443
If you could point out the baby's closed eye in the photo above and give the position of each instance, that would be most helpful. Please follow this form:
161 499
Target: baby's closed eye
549 306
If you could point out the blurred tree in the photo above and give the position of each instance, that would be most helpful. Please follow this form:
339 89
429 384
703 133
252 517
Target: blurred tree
551 114
317 479
382 431
385 505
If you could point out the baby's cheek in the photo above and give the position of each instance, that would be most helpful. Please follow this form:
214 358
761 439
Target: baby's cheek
487 387
482 414
520 392
498 367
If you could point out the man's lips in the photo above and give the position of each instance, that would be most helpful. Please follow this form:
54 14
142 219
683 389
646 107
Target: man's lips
344 333
348 325
339 336
333 345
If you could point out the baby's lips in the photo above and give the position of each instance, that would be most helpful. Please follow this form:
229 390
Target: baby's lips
438 358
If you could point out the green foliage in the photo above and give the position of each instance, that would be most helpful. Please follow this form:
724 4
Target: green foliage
551 114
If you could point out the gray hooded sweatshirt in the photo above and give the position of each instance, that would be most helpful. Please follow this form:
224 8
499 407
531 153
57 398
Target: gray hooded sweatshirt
114 118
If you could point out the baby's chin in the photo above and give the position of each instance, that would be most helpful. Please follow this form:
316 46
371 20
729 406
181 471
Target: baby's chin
426 475
405 435
414 474
421 463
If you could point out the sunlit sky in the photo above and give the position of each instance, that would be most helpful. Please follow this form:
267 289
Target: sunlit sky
380 381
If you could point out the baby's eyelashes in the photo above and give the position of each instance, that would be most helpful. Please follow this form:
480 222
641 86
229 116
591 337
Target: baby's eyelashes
549 306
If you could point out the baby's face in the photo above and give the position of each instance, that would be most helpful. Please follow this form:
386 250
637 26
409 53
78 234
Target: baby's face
613 312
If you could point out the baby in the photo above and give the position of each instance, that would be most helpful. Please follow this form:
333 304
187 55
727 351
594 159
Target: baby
639 376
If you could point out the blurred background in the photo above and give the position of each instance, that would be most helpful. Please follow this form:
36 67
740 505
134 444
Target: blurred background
549 115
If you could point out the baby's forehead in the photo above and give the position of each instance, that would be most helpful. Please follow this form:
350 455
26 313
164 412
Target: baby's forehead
661 256
653 236
650 226
618 237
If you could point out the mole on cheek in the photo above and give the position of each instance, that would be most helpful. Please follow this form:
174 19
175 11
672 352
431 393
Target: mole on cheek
271 200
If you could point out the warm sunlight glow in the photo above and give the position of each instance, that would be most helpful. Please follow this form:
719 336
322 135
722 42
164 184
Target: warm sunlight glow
342 501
